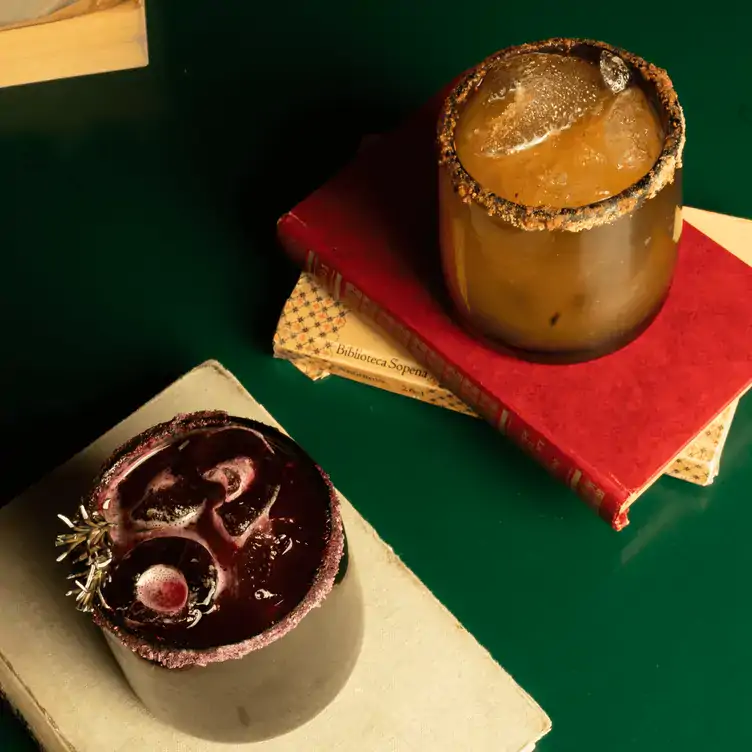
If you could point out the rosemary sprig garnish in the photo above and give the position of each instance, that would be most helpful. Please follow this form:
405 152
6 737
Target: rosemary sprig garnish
90 543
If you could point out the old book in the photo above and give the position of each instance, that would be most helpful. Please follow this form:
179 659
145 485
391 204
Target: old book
78 38
320 336
421 682
608 428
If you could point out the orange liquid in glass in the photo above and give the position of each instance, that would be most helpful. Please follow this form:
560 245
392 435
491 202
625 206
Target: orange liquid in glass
545 129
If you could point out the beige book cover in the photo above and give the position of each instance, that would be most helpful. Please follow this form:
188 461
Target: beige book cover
321 337
422 682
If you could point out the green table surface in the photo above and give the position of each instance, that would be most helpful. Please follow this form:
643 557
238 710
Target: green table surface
137 213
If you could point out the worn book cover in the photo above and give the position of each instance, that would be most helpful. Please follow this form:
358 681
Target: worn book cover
422 682
607 428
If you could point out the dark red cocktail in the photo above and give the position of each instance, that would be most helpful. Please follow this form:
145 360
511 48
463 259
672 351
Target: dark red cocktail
223 537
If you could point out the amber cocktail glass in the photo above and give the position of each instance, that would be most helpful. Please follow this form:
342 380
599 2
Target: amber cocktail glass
537 267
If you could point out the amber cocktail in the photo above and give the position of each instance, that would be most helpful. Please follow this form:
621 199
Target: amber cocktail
560 197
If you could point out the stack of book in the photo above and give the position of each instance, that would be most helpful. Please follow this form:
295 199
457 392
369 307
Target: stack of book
607 428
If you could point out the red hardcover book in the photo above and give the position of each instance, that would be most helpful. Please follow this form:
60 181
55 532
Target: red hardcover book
606 428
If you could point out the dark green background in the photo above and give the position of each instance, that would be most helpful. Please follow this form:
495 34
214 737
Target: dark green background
137 213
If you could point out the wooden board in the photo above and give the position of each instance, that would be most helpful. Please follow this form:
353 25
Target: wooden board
99 42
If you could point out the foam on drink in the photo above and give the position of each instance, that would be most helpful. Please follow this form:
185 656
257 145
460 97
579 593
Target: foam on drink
217 535
547 129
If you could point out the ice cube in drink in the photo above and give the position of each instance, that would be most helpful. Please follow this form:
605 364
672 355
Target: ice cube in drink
547 129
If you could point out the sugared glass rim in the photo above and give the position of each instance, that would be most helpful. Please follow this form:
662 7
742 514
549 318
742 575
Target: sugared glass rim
568 219
133 451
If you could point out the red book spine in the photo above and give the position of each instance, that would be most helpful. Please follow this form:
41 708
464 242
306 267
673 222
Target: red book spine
599 493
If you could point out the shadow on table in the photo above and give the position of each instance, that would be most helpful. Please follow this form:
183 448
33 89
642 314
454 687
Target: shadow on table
14 734
257 158
50 430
